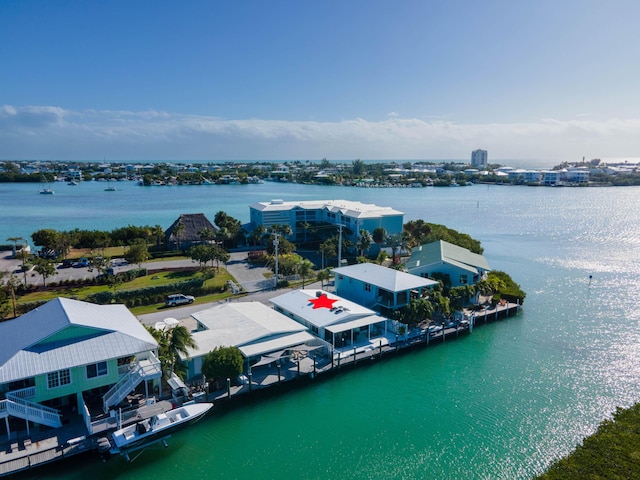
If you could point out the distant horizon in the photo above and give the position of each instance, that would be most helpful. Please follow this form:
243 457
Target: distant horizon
511 162
506 162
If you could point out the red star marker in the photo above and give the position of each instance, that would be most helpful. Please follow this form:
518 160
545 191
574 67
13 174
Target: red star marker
323 302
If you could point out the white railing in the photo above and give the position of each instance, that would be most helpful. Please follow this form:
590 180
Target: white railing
25 393
3 409
146 369
35 412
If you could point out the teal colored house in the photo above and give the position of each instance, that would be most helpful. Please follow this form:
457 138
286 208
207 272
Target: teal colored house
380 288
459 265
73 358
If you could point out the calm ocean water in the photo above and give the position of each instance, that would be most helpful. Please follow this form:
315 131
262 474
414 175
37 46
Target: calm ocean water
501 403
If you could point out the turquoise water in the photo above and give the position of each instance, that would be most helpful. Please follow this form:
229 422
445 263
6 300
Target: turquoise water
502 402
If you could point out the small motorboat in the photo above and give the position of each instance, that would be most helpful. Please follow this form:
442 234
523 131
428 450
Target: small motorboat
156 428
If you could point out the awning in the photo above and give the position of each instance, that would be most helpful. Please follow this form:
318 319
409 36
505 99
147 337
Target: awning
357 323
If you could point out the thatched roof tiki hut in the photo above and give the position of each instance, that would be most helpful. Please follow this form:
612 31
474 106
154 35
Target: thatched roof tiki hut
187 230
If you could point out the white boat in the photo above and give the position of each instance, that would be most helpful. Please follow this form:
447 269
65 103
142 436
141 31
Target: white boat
156 428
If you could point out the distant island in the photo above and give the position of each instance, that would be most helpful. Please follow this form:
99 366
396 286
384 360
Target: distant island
356 173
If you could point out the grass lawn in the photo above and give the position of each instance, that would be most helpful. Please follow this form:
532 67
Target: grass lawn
157 279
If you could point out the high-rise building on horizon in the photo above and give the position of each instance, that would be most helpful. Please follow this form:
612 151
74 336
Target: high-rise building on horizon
479 158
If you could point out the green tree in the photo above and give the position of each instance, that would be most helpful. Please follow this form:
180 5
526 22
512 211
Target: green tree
201 254
379 234
10 284
328 249
358 168
222 363
322 276
364 241
172 343
45 268
304 269
256 235
418 310
206 235
158 234
219 255
138 253
177 232
46 238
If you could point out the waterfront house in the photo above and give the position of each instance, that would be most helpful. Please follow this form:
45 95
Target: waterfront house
257 330
457 264
73 358
380 288
354 216
193 224
339 323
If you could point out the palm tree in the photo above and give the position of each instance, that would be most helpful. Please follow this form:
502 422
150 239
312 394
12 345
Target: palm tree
364 242
323 275
179 341
171 343
158 234
304 269
177 231
206 235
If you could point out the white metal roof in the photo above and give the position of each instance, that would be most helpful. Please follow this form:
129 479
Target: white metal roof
36 343
250 326
357 323
299 303
383 277
346 207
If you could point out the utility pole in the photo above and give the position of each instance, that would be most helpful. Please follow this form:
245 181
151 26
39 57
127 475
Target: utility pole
339 245
276 242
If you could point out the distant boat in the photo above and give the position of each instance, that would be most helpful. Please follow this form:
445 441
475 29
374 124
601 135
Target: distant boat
110 188
154 429
72 182
46 189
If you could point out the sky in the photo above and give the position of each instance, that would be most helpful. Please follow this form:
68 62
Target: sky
546 80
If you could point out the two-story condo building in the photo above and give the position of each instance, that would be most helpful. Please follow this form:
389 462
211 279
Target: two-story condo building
355 216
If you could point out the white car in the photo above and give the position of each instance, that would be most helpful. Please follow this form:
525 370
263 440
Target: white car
178 299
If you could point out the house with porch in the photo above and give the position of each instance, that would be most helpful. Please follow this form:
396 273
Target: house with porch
458 265
379 288
261 334
342 325
69 358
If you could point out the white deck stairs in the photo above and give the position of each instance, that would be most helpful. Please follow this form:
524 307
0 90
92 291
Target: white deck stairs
18 405
144 370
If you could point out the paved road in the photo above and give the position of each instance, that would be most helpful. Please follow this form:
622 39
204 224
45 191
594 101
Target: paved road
237 266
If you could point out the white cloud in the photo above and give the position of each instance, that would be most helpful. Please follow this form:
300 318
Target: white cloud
43 132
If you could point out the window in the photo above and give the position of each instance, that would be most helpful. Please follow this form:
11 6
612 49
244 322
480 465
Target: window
367 287
96 369
59 378
463 279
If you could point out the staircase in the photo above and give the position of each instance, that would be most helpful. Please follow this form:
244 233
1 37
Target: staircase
145 370
17 405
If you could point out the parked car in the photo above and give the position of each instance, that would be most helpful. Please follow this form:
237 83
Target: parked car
68 263
83 262
178 299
